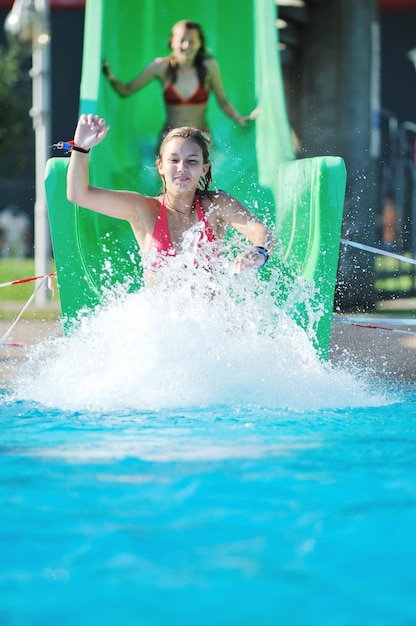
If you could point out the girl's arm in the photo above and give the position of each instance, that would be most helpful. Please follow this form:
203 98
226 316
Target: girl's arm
214 76
153 70
90 131
232 212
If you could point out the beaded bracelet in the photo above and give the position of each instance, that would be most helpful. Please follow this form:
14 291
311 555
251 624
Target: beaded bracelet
265 254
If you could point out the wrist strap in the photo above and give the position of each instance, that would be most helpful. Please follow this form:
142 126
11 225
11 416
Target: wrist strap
68 146
264 252
78 149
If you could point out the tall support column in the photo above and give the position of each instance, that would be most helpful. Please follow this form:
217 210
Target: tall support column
332 99
41 114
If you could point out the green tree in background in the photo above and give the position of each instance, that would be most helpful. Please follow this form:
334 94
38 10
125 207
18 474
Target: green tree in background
16 135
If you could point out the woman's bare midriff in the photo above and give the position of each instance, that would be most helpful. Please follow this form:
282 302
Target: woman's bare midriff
186 115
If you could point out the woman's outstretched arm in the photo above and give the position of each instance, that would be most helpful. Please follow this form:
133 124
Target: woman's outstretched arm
155 69
219 91
90 131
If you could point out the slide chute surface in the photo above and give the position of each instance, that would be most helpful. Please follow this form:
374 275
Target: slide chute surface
302 198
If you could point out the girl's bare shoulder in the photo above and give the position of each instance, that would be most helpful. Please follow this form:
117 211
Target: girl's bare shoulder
209 60
216 196
210 63
144 210
150 203
160 65
212 201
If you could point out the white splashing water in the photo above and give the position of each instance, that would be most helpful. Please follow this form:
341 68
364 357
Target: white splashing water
190 341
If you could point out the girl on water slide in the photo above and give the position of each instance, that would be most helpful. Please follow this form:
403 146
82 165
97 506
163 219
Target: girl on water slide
188 76
161 223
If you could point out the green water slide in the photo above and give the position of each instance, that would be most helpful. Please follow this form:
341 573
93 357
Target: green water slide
302 198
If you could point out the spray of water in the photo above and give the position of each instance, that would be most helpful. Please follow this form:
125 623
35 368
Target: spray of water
196 338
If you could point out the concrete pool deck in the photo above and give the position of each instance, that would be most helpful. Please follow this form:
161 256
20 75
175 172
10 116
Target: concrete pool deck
387 354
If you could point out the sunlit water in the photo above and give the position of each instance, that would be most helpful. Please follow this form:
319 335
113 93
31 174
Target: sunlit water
184 457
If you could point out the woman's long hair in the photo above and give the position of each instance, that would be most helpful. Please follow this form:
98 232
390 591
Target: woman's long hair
201 70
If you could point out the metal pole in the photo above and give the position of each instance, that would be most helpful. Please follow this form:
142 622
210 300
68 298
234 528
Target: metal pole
41 114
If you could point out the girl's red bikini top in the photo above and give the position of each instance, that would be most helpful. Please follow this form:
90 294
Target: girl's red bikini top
161 241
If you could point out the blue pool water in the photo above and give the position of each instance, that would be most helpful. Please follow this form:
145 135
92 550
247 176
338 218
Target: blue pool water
186 463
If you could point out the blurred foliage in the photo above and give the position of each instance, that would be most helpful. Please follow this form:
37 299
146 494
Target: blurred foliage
16 145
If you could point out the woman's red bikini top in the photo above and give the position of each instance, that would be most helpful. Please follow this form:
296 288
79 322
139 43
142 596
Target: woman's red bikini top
172 97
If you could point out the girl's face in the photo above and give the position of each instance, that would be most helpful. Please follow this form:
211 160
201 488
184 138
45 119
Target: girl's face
182 165
185 44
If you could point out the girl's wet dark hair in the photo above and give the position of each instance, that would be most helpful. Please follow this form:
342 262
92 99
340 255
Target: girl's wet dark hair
199 59
195 135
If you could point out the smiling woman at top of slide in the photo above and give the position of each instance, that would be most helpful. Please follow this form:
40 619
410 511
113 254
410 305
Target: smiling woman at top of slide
187 75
